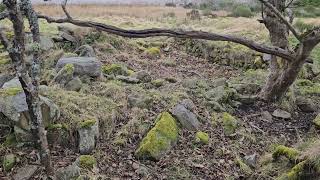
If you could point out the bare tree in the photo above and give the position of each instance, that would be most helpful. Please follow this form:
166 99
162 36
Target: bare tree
285 65
28 77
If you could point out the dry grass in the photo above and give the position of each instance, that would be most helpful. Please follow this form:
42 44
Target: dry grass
113 10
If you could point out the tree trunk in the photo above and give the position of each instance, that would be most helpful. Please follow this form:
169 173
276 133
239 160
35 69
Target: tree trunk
281 73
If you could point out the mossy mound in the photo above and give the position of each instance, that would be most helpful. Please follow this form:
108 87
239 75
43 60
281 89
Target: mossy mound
158 82
159 139
229 123
87 162
202 137
153 51
307 87
316 121
116 69
290 153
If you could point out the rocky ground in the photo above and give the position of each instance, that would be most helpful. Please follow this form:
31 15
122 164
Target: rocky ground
158 108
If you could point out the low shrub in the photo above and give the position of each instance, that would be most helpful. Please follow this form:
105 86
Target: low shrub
242 11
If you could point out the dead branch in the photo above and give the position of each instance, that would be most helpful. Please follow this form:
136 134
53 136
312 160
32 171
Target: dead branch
174 33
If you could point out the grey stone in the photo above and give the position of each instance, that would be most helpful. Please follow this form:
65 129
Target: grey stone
82 65
140 101
85 51
127 79
26 172
64 75
266 57
68 37
15 107
219 82
87 138
281 114
46 43
187 119
22 135
9 162
143 76
266 116
187 103
69 172
74 85
306 105
5 78
251 160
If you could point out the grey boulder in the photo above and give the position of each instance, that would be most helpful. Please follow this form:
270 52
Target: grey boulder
89 66
87 138
187 119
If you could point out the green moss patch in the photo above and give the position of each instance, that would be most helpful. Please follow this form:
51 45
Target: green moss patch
11 91
229 123
316 121
87 123
291 153
115 69
202 137
158 82
154 51
243 166
159 139
87 162
69 68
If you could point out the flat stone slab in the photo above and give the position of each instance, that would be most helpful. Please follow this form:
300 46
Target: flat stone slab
89 66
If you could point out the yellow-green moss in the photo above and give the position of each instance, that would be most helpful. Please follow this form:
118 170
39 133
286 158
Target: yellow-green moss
67 55
290 153
230 123
130 72
8 162
4 61
69 68
243 166
316 121
295 173
115 69
87 161
10 140
158 82
202 137
154 51
87 123
159 139
11 91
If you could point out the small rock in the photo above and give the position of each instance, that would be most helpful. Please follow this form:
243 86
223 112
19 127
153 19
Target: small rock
64 75
85 51
88 134
306 105
89 66
188 119
281 114
265 115
127 79
74 85
316 121
69 172
25 172
68 37
5 78
251 160
267 57
187 103
143 76
8 162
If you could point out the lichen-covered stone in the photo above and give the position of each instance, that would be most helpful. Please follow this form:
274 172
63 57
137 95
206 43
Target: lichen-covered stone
88 134
202 137
229 123
8 162
88 66
159 139
69 172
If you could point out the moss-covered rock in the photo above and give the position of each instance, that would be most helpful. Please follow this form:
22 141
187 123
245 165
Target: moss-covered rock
115 69
13 91
87 162
291 153
87 123
316 121
159 139
243 166
8 162
153 51
229 123
158 82
202 137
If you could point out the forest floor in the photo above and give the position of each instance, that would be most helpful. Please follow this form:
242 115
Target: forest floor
183 74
